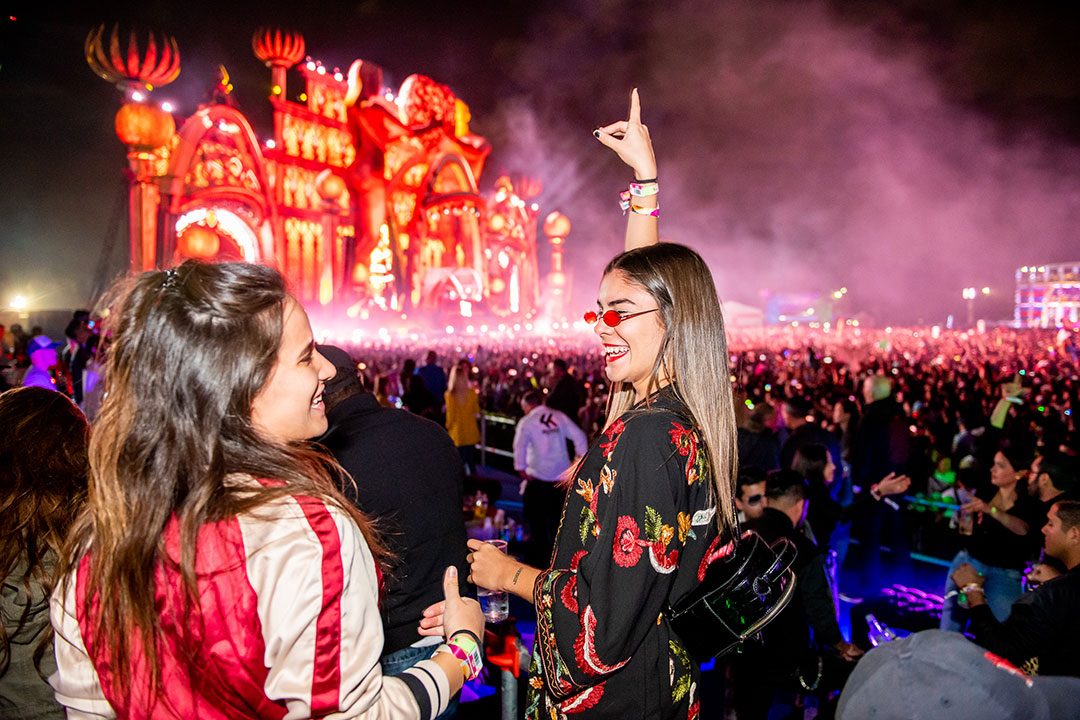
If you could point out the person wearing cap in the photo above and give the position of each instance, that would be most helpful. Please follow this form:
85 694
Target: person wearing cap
408 478
42 352
936 674
1042 632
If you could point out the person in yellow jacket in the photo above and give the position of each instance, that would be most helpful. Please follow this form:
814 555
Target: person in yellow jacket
462 410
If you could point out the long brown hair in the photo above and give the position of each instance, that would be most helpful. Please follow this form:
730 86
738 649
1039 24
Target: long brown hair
693 356
191 348
43 469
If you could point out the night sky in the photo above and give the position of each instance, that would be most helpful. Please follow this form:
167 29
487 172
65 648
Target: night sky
903 149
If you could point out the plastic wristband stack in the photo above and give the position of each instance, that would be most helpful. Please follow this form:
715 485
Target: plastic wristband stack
640 188
645 188
465 646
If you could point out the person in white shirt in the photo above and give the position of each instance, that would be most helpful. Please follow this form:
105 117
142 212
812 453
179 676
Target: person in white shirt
541 458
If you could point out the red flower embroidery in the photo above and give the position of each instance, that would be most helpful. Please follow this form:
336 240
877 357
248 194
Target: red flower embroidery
664 564
705 560
568 595
585 647
627 549
613 432
686 442
584 700
695 711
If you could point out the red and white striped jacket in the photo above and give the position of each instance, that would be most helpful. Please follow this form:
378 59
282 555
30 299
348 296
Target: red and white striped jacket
287 627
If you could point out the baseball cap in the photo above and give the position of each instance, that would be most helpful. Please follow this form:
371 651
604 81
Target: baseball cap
346 368
41 342
934 674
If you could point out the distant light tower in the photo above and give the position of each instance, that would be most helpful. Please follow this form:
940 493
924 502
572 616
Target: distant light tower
969 295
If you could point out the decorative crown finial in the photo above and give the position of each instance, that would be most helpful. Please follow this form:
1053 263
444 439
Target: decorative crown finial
150 71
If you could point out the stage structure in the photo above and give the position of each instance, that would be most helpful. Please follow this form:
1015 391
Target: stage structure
1048 295
366 200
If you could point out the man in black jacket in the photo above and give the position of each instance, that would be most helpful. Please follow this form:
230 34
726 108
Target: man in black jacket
408 477
791 643
1042 633
881 447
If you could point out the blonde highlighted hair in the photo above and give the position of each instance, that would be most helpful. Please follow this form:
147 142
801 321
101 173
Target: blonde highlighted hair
693 356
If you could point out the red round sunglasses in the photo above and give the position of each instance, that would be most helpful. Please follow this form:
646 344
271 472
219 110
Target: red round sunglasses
612 318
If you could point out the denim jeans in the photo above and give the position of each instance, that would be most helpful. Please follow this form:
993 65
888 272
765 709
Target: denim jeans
401 660
1002 588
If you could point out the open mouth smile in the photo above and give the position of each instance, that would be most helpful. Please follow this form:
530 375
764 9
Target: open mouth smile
614 352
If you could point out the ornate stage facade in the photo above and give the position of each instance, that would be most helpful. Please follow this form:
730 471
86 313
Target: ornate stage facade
367 199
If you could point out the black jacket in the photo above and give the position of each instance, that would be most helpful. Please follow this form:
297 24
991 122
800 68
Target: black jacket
409 480
881 445
1042 633
788 638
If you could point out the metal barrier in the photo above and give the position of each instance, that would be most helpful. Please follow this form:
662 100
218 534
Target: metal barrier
486 418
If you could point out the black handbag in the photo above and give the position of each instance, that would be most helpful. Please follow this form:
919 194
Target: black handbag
747 584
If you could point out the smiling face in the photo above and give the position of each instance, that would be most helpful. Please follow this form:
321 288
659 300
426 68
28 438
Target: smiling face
290 405
632 347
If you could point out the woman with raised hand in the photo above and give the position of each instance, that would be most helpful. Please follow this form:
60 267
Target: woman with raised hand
652 499
218 572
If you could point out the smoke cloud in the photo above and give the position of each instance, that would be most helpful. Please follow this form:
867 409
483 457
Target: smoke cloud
797 152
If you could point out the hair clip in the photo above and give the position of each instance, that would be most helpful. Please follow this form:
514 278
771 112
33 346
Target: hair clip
172 279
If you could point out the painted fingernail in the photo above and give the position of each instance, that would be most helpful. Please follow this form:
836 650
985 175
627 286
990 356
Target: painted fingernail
596 133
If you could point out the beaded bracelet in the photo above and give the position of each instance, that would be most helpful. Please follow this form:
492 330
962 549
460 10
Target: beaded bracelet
643 210
624 200
465 648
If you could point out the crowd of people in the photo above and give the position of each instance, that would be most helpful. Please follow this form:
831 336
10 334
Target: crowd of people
252 524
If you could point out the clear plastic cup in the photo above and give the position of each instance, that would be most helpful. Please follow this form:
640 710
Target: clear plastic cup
494 604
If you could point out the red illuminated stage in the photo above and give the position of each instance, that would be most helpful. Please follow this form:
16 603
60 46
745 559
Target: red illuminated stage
367 202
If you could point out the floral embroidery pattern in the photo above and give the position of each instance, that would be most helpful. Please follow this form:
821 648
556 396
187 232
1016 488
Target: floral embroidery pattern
546 650
680 685
607 479
713 554
659 536
686 442
685 529
585 647
612 433
590 521
568 594
627 550
583 700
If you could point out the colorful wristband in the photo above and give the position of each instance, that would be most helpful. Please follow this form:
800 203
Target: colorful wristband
642 210
644 189
624 200
464 647
444 648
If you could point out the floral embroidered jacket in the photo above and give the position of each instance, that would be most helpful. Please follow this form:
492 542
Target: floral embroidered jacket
635 532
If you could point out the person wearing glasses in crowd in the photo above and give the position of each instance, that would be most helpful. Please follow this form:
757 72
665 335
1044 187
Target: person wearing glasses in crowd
218 572
654 495
750 498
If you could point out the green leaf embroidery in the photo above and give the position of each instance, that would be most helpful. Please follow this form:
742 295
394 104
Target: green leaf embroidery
653 524
682 685
588 519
